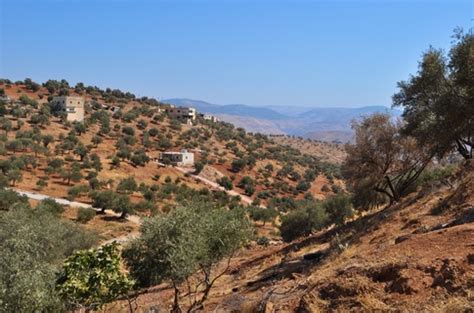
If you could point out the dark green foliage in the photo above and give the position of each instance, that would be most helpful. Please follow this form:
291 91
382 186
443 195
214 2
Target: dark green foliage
71 174
142 124
76 191
9 199
121 204
303 222
382 160
47 139
263 241
247 184
262 214
225 182
84 215
41 183
33 244
81 151
127 185
128 131
103 199
338 207
96 163
438 101
198 167
175 246
96 140
79 128
139 158
51 206
303 186
237 165
283 204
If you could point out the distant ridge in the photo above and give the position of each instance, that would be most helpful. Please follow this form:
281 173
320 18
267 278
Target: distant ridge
322 123
231 109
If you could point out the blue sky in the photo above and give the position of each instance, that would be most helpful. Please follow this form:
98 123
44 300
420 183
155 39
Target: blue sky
302 53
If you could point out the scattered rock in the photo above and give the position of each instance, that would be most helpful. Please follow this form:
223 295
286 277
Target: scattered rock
421 230
315 256
470 258
402 238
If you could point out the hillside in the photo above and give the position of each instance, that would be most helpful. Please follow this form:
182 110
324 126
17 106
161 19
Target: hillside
417 255
276 208
338 136
330 152
70 160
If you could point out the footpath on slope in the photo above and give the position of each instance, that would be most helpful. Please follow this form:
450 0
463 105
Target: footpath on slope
120 240
245 199
38 196
189 171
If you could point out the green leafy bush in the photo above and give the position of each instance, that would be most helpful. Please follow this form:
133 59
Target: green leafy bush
262 214
28 274
338 207
91 278
225 182
303 222
51 206
84 215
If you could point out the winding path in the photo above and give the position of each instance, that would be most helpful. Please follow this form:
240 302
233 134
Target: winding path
245 199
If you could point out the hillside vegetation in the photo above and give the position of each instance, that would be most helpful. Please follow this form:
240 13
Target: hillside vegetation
254 226
110 146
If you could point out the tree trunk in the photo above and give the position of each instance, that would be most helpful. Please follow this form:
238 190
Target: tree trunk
395 194
176 308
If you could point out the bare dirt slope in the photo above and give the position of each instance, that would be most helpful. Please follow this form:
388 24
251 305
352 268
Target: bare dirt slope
415 256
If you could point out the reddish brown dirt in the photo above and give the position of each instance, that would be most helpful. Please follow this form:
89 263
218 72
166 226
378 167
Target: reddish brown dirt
393 259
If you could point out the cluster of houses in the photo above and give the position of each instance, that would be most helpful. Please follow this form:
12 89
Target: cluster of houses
74 107
75 111
187 115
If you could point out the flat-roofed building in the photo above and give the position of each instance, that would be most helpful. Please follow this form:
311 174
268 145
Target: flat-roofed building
182 158
209 117
73 106
182 114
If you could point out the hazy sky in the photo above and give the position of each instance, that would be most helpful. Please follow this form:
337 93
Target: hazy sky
304 53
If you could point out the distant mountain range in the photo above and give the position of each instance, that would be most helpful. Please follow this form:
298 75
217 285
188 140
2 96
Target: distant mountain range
229 109
323 123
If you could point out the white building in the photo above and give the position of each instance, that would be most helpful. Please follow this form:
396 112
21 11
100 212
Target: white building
209 117
73 106
183 158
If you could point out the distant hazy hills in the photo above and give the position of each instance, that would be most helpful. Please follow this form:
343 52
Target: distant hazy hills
229 109
327 124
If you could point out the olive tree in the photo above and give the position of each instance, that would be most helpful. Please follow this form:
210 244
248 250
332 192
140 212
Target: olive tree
382 160
438 101
33 244
184 247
